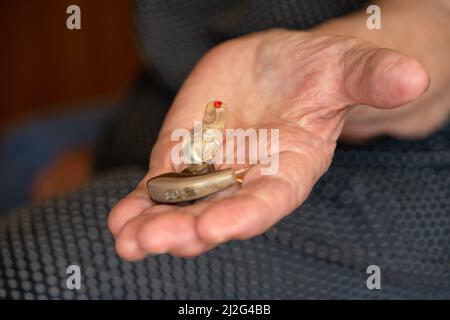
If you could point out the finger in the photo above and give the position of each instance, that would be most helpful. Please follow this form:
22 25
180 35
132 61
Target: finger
383 78
191 249
128 208
262 201
134 203
161 229
126 244
163 233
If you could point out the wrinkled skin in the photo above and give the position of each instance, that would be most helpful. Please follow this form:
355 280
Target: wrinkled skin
302 83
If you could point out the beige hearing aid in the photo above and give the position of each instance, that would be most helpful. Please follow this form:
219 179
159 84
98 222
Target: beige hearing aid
180 187
198 180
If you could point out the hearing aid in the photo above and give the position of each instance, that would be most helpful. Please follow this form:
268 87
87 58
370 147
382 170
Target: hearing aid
200 179
175 187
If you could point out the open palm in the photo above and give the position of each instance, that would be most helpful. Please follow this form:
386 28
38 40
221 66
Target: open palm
300 83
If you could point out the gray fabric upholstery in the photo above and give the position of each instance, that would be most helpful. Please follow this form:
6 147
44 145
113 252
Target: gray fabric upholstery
387 203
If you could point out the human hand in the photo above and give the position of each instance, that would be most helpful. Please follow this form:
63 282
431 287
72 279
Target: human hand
298 82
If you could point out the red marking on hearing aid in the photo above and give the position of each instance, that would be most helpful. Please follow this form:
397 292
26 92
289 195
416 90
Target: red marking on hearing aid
217 104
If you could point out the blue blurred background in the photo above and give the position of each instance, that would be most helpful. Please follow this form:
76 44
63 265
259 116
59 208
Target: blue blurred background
57 86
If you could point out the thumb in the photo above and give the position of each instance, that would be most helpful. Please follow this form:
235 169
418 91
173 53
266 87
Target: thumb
383 78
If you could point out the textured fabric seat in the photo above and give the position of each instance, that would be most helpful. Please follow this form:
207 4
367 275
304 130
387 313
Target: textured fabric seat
387 203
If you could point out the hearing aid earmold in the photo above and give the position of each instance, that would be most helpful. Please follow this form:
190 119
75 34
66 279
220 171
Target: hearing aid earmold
204 143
